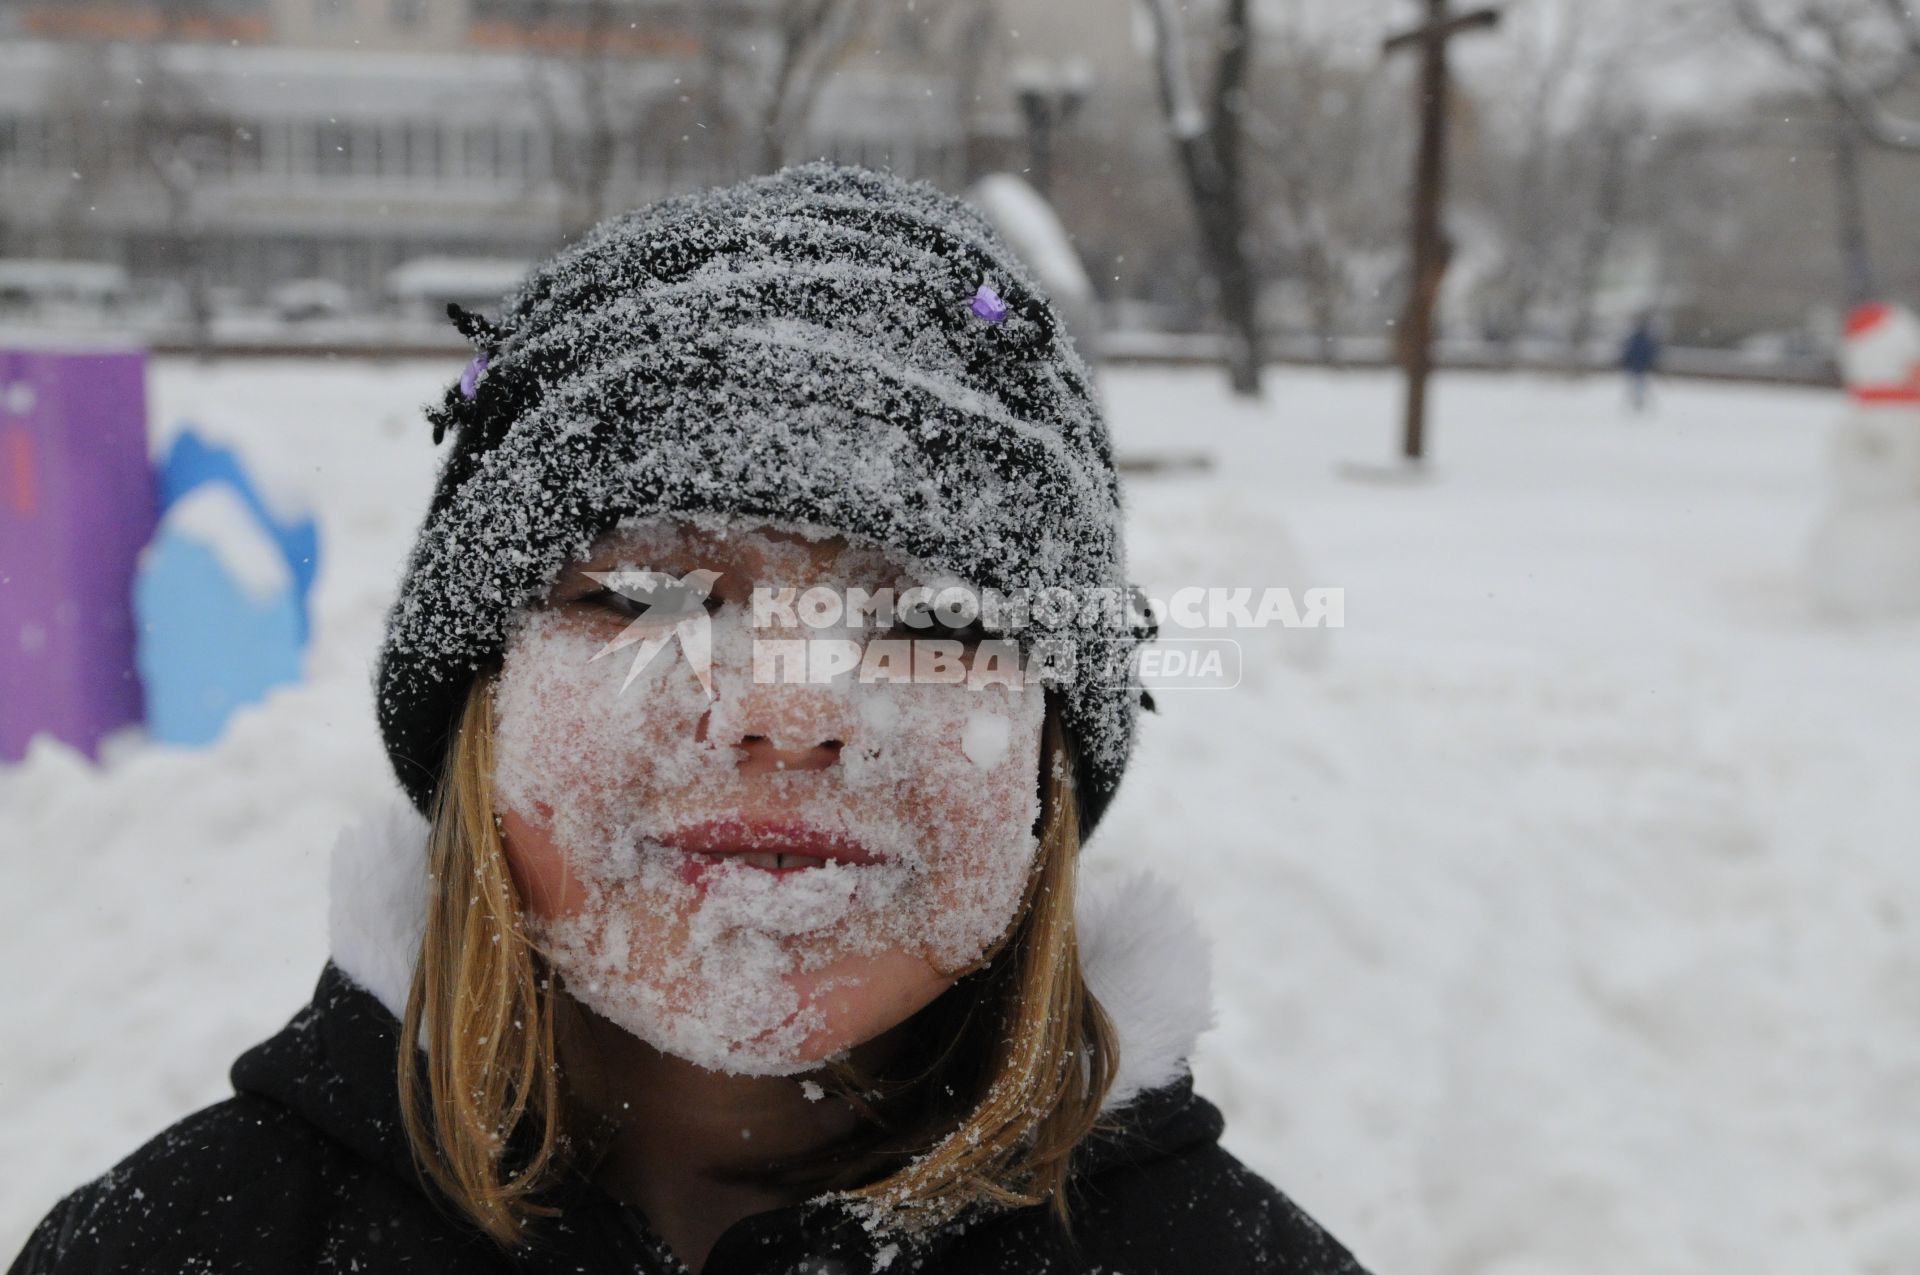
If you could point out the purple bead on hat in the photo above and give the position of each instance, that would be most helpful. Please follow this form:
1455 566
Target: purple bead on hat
470 379
988 305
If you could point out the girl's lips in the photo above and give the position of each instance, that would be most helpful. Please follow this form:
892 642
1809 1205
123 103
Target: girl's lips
766 845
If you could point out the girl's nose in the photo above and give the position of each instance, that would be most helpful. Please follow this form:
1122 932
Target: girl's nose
771 732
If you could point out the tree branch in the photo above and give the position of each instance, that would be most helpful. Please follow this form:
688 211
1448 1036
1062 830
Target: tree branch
1832 73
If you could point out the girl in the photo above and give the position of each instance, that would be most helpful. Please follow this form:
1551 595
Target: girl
754 681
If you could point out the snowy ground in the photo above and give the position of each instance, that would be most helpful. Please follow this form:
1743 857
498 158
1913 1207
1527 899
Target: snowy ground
1565 900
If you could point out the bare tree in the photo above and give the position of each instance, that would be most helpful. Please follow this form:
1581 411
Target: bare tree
1616 142
1567 138
1529 205
181 139
762 64
966 37
1329 138
577 89
1208 145
810 37
1860 54
86 80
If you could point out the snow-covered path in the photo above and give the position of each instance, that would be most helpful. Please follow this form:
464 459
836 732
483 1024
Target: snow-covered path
1565 900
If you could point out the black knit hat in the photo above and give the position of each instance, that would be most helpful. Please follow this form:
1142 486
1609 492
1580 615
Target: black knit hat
808 347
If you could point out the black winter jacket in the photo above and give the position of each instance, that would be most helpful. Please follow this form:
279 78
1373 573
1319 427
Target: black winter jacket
306 1167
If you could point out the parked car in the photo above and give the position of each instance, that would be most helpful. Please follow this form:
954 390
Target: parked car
48 288
298 300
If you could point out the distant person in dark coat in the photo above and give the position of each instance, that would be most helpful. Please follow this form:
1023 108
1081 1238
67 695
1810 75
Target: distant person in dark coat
1640 359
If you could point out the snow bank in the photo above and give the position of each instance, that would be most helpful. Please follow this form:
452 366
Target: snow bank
1563 912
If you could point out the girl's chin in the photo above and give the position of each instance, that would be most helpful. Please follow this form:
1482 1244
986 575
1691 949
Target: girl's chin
830 1001
744 1002
862 996
855 998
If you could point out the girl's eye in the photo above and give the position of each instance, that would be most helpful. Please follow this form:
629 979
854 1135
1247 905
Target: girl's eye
674 607
618 603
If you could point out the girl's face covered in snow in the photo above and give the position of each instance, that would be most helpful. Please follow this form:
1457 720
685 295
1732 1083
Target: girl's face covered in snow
762 878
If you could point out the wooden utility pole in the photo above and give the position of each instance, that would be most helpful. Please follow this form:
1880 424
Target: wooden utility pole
1431 247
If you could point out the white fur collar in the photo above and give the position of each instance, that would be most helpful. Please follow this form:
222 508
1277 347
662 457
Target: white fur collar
1145 957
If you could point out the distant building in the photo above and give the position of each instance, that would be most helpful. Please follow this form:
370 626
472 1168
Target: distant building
246 143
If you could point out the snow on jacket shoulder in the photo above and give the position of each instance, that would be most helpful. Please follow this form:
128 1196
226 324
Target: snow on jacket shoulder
306 1168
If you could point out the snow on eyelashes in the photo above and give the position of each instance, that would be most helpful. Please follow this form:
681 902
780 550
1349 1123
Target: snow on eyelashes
721 898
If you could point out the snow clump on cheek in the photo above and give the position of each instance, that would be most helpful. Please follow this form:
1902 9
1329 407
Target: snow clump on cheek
730 967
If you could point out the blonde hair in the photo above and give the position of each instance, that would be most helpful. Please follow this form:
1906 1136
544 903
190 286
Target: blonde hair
1007 1077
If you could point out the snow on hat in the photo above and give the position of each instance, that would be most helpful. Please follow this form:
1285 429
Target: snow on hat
827 345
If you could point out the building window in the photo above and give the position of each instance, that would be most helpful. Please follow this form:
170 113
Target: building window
425 154
56 142
277 139
529 156
390 148
335 141
205 144
483 152
514 157
409 15
301 141
247 157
